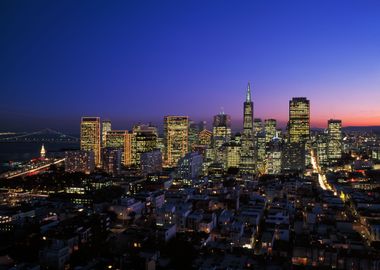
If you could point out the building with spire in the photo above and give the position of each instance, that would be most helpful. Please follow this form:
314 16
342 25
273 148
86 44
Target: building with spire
43 152
247 164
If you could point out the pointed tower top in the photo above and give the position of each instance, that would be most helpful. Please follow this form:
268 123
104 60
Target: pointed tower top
43 151
248 98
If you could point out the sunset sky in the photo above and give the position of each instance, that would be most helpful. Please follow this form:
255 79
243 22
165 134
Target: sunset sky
136 61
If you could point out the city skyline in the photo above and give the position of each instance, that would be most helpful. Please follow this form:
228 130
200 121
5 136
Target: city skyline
190 134
127 62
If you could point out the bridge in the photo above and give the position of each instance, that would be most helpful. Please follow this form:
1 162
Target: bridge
44 135
31 169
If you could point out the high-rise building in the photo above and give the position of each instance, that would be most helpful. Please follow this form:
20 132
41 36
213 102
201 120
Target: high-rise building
232 155
128 150
274 156
321 147
115 139
176 138
257 126
261 158
270 129
79 161
334 142
247 164
222 126
90 136
189 166
294 157
205 137
193 134
111 160
299 120
298 134
106 126
144 139
221 133
151 162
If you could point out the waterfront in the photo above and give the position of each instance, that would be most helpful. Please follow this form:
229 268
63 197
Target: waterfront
26 151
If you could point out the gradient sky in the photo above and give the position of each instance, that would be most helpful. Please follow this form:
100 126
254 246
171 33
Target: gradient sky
136 61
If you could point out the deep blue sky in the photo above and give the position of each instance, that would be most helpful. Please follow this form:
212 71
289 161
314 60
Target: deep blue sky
134 61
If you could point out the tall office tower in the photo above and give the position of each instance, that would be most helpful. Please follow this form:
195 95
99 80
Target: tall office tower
270 129
144 139
298 134
115 139
221 134
232 155
161 145
247 164
190 166
334 142
128 150
274 156
221 130
111 160
299 120
205 137
261 160
321 146
106 126
193 134
151 162
176 136
257 126
90 136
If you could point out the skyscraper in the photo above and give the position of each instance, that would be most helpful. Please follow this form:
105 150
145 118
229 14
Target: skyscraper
90 136
106 126
193 134
232 155
299 120
128 149
274 156
247 146
270 129
298 134
115 139
111 160
176 135
144 139
334 140
205 137
221 130
261 158
257 126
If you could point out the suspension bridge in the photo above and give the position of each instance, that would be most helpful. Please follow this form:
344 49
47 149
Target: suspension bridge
41 136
